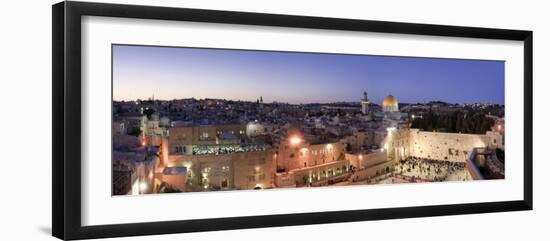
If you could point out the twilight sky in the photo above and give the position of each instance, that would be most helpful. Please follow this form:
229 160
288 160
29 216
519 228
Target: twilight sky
178 73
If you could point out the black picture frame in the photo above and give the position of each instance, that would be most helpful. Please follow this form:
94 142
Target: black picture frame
66 153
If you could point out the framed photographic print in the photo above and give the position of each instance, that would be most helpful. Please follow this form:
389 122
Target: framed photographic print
170 120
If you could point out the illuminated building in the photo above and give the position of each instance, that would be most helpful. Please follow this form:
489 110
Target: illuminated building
390 104
241 170
220 157
204 140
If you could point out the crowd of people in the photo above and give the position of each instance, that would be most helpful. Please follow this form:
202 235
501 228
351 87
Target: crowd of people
423 169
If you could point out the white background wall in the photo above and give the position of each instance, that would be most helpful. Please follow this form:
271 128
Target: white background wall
25 55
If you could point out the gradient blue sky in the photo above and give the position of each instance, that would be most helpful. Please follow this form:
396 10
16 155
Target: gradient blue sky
177 73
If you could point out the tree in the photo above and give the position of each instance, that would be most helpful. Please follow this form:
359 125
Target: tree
468 121
135 131
500 154
148 111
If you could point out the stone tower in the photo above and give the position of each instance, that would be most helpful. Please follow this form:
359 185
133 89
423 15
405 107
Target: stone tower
365 104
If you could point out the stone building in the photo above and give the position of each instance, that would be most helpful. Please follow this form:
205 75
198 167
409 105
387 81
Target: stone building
241 170
220 157
191 140
300 155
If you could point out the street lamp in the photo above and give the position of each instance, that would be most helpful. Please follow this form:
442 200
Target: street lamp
142 187
295 140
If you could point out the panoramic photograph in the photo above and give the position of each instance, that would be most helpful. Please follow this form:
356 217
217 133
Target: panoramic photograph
203 119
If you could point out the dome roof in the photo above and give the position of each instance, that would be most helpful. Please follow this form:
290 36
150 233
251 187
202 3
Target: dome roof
390 100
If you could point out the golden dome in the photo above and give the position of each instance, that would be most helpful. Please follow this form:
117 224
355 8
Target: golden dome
390 101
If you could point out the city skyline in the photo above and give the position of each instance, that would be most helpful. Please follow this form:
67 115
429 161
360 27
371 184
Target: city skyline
299 78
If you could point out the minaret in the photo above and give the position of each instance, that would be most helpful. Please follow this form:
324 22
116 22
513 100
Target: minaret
365 104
